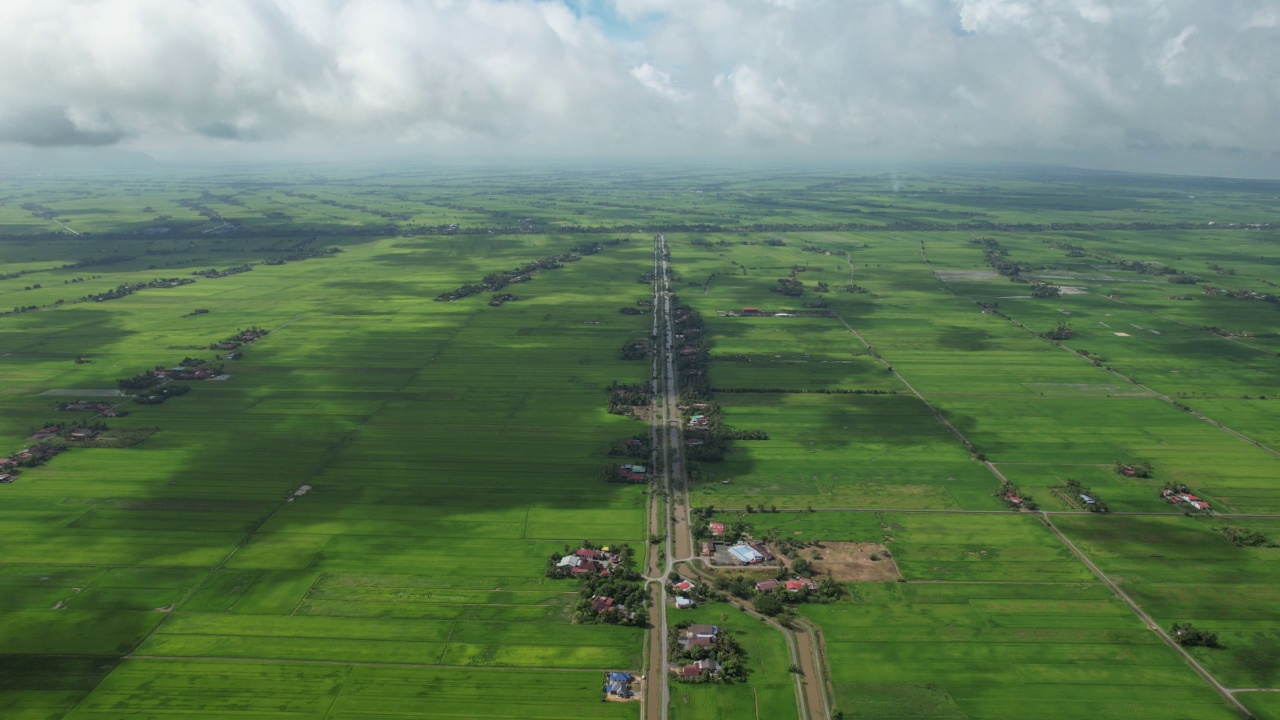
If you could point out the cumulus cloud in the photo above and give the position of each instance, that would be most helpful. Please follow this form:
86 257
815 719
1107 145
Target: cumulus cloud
917 76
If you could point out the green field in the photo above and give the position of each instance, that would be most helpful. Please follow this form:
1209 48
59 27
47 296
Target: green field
356 524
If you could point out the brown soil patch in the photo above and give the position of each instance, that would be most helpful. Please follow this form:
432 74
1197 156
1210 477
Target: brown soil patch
851 562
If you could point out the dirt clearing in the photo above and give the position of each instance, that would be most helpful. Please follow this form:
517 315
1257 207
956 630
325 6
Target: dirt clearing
851 562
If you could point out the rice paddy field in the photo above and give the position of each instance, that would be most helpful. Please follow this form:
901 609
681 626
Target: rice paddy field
357 522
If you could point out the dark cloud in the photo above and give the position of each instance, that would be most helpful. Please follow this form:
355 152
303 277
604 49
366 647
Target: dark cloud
52 127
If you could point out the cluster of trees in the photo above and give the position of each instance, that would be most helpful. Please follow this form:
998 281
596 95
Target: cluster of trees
1141 470
1221 270
1044 290
215 273
632 311
1074 251
40 211
1008 491
734 529
691 367
499 298
239 338
209 213
162 393
637 349
791 287
998 258
499 280
629 597
34 456
1074 493
627 396
592 248
725 651
636 446
101 260
1060 331
303 255
1241 294
1143 267
1188 635
1243 537
130 288
781 601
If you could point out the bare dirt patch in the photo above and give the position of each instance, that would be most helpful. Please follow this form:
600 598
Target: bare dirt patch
851 562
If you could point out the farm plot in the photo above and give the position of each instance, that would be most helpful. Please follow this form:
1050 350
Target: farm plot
1185 570
842 451
1063 650
1034 438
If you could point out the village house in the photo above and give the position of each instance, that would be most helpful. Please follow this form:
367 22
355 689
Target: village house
717 528
618 684
588 561
765 586
801 584
684 603
601 603
684 585
6 478
699 636
698 669
633 473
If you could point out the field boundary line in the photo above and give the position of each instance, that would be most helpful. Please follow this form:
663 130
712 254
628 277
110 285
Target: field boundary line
365 663
342 687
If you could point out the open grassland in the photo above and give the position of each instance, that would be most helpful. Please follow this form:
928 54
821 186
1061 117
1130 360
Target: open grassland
357 523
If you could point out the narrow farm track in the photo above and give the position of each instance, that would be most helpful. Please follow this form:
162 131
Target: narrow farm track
812 678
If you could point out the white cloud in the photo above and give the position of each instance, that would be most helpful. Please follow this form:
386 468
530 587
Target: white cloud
726 75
